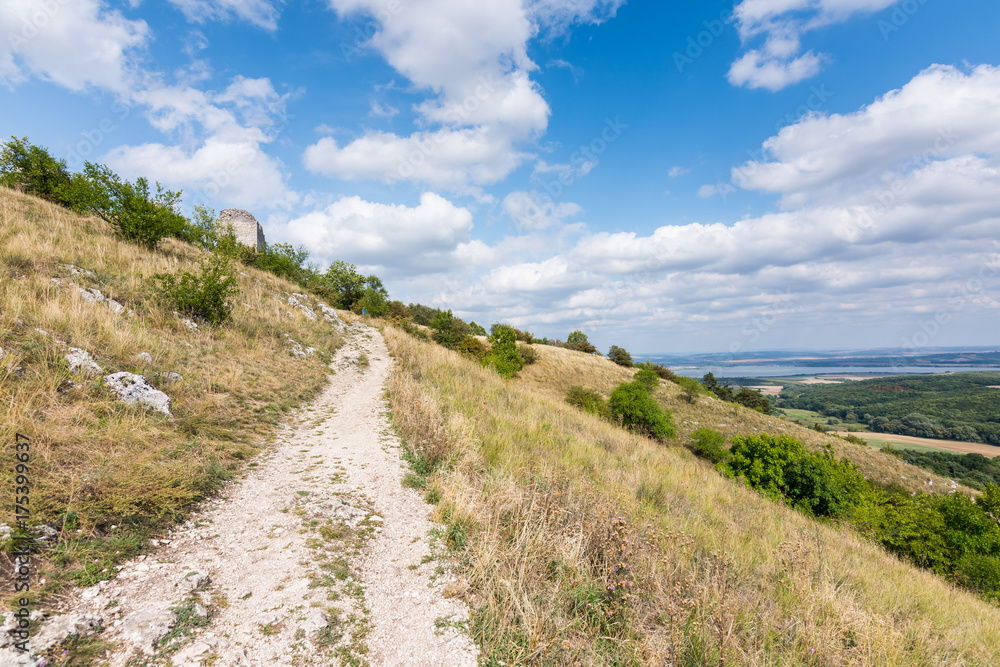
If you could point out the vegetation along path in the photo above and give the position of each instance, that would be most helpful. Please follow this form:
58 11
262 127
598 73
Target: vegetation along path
319 556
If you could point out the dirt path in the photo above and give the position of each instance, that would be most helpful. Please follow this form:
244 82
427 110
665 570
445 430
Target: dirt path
951 445
319 556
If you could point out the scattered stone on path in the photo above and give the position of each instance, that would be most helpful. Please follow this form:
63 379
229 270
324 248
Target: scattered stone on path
135 390
57 628
192 582
143 629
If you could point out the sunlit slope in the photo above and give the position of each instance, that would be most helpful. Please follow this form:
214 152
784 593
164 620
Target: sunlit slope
717 571
558 369
104 473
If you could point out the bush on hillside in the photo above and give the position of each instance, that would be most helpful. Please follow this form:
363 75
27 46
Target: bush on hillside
634 407
589 401
620 356
373 303
477 330
345 286
449 330
206 295
473 348
647 378
659 369
33 170
504 356
709 444
130 208
527 353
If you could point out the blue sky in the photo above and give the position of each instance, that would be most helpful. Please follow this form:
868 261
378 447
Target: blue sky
669 177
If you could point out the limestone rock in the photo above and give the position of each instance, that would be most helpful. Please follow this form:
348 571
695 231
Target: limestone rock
144 357
330 315
224 652
170 376
58 628
193 581
91 295
315 621
144 629
80 360
248 231
135 390
306 310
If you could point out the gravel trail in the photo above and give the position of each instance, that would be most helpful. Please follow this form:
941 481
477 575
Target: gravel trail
318 556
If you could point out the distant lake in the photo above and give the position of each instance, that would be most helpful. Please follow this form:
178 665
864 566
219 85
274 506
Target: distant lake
789 371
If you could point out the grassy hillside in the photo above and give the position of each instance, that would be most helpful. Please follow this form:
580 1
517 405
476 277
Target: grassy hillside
554 512
104 474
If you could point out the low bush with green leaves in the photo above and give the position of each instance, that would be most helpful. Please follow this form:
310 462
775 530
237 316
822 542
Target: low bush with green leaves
589 401
504 357
473 348
709 444
620 356
135 213
633 405
527 353
206 295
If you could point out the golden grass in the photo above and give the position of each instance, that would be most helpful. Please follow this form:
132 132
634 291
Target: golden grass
558 369
98 462
721 575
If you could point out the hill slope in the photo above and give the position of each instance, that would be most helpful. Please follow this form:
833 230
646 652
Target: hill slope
104 474
540 499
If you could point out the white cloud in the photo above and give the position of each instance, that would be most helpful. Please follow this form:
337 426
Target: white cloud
677 171
401 240
535 211
472 60
261 13
75 44
451 159
942 113
220 156
777 64
387 111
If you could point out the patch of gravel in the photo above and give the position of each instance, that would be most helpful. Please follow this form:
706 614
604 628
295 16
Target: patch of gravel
318 555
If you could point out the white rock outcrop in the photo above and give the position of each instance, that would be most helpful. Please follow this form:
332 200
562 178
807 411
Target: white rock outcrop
135 390
304 309
81 361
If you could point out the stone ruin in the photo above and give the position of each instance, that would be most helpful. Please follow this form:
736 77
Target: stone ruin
248 231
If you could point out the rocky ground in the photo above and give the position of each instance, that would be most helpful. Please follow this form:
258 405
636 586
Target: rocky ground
318 556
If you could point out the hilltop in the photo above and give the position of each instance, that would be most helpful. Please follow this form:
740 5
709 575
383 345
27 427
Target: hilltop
573 540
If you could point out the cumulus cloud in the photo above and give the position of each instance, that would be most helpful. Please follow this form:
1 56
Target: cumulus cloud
222 134
261 13
876 234
432 237
782 23
535 211
941 113
482 106
76 45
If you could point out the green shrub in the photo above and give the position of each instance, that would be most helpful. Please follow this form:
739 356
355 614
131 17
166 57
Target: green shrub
504 356
647 378
206 295
527 353
588 400
200 230
473 347
664 372
980 573
410 327
636 409
31 169
783 469
709 444
131 210
449 330
620 356
688 384
373 303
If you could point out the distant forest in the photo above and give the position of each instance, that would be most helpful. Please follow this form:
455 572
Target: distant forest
954 406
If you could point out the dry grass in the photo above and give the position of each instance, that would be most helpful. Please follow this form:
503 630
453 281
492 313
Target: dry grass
97 462
720 574
558 369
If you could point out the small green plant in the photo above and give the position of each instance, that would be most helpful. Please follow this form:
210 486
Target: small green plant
709 444
588 400
206 295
